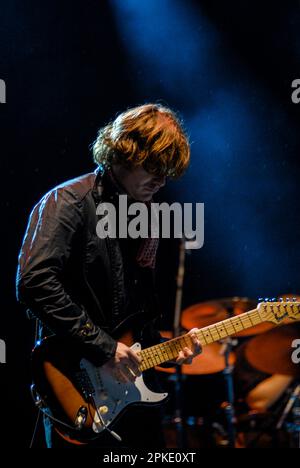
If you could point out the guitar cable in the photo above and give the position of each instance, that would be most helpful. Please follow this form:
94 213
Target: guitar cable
35 428
112 433
41 410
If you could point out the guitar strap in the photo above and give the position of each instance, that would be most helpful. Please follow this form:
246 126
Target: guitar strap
96 194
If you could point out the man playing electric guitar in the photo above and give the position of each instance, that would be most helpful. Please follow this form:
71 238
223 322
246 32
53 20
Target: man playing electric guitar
91 292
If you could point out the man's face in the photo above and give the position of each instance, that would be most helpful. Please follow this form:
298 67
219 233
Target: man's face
138 183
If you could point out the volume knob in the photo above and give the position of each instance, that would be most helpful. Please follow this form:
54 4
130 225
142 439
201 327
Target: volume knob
103 409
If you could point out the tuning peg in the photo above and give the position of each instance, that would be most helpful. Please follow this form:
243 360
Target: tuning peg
294 299
287 299
273 299
260 299
266 299
281 299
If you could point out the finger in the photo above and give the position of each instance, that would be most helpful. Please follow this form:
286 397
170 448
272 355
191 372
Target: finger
188 353
194 338
180 358
188 356
197 348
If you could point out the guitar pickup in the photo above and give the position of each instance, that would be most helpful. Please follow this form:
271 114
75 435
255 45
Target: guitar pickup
84 383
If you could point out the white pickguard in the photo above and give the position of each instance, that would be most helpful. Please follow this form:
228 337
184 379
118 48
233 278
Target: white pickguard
112 396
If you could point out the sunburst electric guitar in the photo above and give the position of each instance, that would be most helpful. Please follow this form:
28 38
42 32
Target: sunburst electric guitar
86 400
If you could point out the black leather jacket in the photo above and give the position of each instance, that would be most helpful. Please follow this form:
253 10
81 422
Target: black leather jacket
68 277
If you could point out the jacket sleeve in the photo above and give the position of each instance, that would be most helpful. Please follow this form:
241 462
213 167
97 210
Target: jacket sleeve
44 254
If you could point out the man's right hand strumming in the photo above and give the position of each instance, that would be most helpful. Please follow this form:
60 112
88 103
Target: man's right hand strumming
125 364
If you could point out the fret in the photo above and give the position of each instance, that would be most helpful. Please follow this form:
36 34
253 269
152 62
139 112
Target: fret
202 338
187 341
238 325
252 319
214 333
175 343
248 322
154 355
231 330
222 330
166 351
209 334
148 359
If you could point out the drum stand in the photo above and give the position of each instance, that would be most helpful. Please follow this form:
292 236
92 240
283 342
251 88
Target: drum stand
178 419
185 245
228 406
292 406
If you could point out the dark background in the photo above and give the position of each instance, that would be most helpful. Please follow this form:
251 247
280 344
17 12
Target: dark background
227 67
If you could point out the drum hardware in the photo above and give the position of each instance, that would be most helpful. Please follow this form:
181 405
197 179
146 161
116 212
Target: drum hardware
294 427
221 435
293 408
227 346
292 400
270 353
179 423
206 370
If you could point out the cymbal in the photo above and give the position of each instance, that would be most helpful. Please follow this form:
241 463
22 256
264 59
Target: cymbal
203 314
209 362
272 351
210 312
238 304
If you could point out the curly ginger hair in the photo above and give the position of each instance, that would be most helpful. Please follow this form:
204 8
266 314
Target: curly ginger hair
150 135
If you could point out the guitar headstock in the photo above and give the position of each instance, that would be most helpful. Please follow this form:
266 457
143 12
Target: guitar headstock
276 312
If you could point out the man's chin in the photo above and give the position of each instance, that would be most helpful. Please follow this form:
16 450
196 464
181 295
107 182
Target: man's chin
143 197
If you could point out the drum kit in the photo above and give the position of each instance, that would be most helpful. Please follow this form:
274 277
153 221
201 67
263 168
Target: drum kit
209 408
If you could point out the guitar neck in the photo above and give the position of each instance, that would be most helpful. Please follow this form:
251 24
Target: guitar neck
168 351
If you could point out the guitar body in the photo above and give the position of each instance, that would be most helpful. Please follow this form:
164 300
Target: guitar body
76 392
